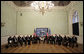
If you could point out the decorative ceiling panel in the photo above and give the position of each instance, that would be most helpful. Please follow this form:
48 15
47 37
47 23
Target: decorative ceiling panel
27 3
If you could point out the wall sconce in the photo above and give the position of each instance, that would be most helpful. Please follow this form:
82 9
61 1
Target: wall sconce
81 23
2 24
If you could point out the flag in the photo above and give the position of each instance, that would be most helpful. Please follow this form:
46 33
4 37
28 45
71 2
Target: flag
47 33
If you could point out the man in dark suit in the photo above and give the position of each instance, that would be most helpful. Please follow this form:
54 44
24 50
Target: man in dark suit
53 39
59 40
45 38
48 40
15 41
28 40
74 41
33 40
64 40
10 41
24 40
20 41
56 39
69 41
30 37
38 38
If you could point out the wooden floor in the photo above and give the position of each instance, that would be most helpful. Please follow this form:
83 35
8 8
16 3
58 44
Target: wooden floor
42 48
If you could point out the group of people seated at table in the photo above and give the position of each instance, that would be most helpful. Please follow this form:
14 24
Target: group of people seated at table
51 39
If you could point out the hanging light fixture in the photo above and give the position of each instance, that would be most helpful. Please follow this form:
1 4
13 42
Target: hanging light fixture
42 6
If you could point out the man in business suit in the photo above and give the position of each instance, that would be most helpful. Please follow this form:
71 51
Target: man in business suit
45 38
56 39
53 39
59 40
15 41
64 40
28 40
20 41
48 40
33 40
24 40
74 41
69 41
38 38
10 41
30 37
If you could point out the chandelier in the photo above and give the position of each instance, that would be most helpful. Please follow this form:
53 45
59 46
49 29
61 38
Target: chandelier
42 6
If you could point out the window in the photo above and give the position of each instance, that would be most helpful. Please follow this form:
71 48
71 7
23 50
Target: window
75 17
75 24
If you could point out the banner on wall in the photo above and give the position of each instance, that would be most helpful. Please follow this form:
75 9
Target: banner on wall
41 31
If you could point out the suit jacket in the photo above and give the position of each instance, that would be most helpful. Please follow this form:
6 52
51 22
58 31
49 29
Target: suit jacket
15 39
10 40
24 39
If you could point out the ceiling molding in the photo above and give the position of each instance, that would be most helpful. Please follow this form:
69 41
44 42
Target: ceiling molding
31 9
27 3
10 3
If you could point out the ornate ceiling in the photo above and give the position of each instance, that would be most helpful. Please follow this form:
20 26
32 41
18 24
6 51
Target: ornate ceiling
27 3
